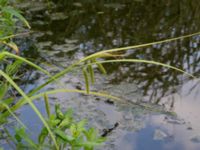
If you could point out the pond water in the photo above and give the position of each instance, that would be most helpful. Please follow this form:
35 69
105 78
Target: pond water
68 31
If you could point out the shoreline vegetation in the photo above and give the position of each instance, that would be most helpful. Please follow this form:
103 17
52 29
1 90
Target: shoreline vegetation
61 130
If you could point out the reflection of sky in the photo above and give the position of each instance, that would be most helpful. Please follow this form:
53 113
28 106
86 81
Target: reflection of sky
143 140
187 106
93 39
179 134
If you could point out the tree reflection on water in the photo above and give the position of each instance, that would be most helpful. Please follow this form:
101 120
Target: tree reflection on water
99 25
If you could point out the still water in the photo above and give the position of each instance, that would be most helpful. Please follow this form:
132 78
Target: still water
67 31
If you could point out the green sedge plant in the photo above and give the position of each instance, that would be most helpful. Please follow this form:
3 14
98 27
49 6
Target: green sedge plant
68 133
87 64
9 68
60 128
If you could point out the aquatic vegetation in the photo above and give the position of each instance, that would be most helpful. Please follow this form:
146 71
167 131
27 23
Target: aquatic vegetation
28 99
55 131
9 18
68 133
59 127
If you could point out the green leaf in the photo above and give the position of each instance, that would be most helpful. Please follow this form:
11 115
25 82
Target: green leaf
18 138
12 45
63 135
43 135
81 125
59 113
15 13
92 135
54 122
13 114
3 3
3 90
89 144
11 69
21 134
31 104
73 130
69 113
2 55
26 61
65 123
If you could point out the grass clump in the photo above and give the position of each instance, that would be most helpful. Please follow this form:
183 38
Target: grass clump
68 133
60 130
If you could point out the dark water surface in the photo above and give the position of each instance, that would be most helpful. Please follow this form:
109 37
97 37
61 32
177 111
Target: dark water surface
68 31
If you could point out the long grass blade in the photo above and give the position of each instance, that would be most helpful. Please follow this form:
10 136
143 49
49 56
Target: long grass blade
12 45
105 52
29 63
1 56
14 35
10 111
51 92
22 101
26 61
117 99
15 13
31 104
101 53
148 62
23 135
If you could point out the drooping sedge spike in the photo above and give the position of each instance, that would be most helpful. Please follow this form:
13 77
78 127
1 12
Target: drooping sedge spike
87 86
47 106
91 71
100 66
